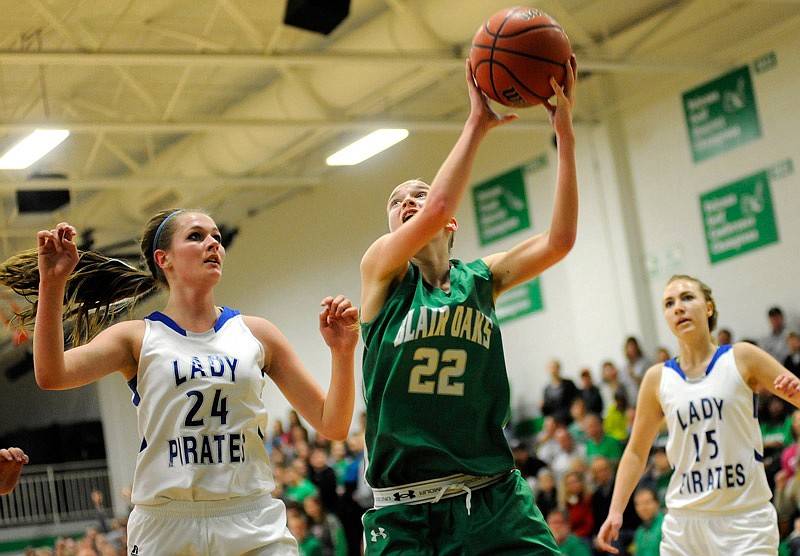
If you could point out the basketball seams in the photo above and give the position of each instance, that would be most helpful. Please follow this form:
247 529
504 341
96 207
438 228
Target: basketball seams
519 33
522 47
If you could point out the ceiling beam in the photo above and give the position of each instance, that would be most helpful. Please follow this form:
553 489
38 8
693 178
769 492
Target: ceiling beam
454 61
144 182
193 126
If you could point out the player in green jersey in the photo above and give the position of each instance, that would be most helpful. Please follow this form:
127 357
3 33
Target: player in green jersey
437 392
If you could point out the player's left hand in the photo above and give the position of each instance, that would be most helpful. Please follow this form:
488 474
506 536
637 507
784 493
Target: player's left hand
787 383
338 323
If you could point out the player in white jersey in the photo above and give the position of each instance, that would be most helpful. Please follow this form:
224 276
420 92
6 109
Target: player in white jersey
718 501
203 482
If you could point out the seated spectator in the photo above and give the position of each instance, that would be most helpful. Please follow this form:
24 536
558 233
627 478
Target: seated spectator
323 477
299 525
528 464
662 355
774 342
590 392
545 492
610 385
576 499
598 443
724 337
658 473
569 452
296 484
558 394
616 423
791 453
578 411
603 476
568 543
326 527
647 538
546 443
792 361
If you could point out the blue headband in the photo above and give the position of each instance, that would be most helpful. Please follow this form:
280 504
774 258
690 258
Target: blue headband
161 228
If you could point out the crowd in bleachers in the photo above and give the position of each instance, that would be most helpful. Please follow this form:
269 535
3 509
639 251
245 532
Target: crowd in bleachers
568 454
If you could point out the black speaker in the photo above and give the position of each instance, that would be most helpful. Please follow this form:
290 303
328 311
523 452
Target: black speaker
41 200
320 16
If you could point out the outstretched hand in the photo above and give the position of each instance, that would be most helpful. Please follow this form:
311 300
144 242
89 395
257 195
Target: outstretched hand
481 106
338 322
11 462
561 114
58 254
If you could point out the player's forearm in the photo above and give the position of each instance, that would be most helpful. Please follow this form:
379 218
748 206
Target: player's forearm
337 414
48 336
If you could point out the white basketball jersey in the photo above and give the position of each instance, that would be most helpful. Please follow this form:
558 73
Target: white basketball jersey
202 420
714 444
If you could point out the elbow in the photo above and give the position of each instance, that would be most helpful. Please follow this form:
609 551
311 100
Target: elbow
44 382
337 433
562 244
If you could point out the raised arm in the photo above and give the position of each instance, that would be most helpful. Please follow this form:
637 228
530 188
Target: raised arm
110 351
329 413
389 255
531 257
759 368
646 424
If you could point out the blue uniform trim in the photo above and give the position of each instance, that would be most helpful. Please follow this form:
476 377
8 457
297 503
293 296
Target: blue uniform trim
132 385
143 445
759 457
225 316
673 363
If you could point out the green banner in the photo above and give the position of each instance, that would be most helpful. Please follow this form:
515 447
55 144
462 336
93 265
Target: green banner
522 300
721 114
738 217
501 206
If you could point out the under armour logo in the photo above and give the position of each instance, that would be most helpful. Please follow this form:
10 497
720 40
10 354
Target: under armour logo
399 496
379 533
135 550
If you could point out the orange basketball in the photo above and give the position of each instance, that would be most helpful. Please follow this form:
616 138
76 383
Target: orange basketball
515 52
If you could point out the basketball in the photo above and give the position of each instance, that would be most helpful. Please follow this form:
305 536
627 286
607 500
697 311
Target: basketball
514 53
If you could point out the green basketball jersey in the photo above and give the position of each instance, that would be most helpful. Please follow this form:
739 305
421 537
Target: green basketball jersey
435 381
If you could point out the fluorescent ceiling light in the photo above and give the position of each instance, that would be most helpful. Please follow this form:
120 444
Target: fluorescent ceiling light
32 148
366 147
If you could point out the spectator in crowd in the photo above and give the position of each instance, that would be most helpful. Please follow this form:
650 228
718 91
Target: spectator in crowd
590 392
576 499
774 342
662 355
558 394
300 526
658 473
569 451
11 462
547 446
724 337
792 360
568 543
578 412
323 477
647 538
610 385
634 368
326 527
545 492
601 473
527 463
617 421
598 443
